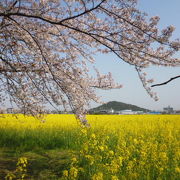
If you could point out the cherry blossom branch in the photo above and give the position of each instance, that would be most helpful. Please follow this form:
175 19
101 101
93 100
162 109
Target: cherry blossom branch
83 13
91 34
8 14
132 24
166 82
9 64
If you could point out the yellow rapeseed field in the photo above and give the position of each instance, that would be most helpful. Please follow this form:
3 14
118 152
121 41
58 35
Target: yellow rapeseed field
114 147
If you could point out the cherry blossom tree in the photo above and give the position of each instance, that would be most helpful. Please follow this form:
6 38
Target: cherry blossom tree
46 46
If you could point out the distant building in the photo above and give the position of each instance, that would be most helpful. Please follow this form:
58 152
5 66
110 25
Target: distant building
106 111
126 111
111 111
154 112
177 111
10 110
140 112
102 111
168 110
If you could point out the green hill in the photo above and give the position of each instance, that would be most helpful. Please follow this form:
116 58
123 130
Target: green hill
118 106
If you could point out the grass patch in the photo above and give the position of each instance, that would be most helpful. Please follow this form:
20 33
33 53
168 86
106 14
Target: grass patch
47 164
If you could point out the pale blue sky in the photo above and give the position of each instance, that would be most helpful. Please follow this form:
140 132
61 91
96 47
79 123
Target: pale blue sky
132 91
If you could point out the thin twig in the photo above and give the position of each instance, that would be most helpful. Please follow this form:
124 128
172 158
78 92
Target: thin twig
160 84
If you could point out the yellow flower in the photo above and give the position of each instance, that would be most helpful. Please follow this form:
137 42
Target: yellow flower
90 159
135 141
107 138
114 167
163 156
95 142
65 173
161 169
114 178
73 172
120 160
130 165
143 154
98 176
86 148
84 131
111 153
177 169
74 160
101 148
22 161
93 136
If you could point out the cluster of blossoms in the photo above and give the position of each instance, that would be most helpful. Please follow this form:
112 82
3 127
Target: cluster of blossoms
46 46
